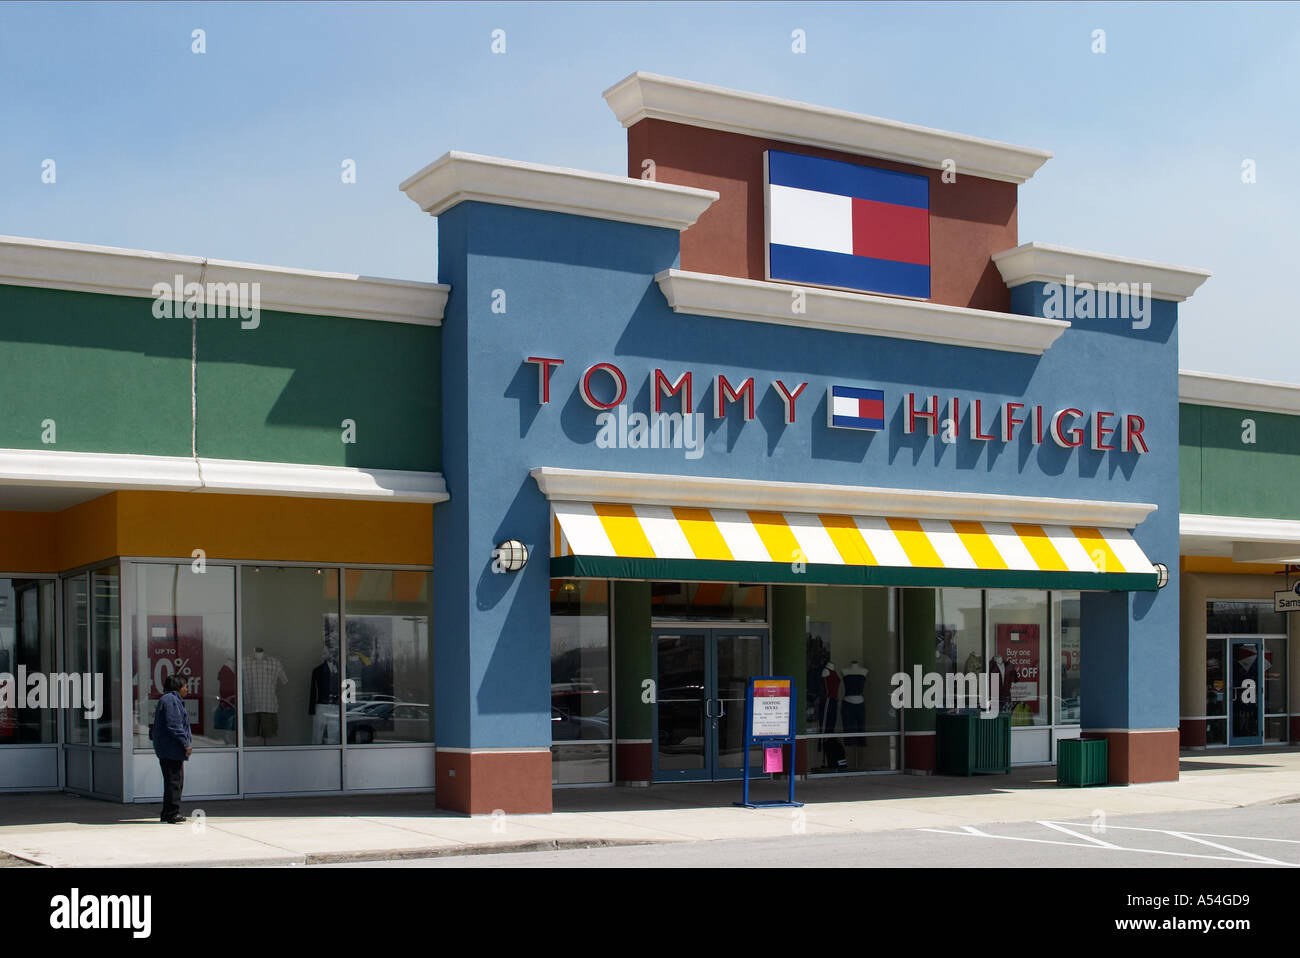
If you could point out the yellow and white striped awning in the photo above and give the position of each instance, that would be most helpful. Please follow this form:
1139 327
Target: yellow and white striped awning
1054 556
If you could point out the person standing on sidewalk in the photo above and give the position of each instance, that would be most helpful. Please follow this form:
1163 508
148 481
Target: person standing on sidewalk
171 743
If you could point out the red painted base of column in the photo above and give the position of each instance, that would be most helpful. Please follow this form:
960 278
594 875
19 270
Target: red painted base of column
921 751
480 783
633 762
1140 755
1191 733
801 756
1295 728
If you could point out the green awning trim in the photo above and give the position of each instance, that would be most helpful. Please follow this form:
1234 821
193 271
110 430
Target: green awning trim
721 570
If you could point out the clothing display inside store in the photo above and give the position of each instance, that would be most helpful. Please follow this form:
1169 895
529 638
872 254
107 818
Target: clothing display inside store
262 673
223 717
854 708
324 692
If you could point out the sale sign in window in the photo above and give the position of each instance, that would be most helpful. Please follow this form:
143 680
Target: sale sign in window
1017 647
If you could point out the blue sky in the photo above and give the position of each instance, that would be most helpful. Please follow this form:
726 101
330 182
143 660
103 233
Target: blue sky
236 153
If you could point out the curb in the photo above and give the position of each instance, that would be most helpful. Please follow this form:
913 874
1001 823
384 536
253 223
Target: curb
452 851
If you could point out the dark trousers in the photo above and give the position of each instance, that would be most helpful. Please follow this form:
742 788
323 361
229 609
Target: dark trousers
173 773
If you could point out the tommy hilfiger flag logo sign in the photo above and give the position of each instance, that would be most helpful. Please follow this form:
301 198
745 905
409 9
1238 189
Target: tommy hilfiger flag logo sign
852 407
840 224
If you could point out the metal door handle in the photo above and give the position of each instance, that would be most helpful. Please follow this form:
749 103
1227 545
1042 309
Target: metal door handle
722 708
708 711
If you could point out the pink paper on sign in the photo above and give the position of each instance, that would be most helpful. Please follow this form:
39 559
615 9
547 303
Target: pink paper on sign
772 759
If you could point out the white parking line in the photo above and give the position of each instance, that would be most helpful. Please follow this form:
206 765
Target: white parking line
1090 842
1060 827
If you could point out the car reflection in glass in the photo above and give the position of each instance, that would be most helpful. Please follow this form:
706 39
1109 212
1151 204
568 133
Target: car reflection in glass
381 718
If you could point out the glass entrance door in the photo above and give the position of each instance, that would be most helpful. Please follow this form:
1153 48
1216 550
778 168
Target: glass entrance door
700 678
1245 719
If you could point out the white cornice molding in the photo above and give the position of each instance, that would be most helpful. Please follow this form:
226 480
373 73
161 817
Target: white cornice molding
457 177
1045 263
1238 528
110 471
643 96
1232 392
587 485
730 297
108 270
1244 538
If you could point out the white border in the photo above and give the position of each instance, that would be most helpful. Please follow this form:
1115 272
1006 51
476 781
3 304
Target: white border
113 271
589 485
457 177
1234 392
1045 263
867 314
641 96
110 472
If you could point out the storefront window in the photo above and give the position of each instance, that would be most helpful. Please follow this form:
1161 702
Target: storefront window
1017 634
581 679
27 641
290 623
1068 634
183 623
958 631
1244 617
106 651
724 601
388 659
1216 692
851 656
1275 673
76 654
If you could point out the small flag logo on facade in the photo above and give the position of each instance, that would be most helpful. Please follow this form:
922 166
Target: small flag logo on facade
852 407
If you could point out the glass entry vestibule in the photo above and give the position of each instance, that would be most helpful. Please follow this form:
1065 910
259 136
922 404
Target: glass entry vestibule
699 680
1246 668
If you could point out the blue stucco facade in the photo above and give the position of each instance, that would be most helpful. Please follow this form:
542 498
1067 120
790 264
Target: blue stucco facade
583 290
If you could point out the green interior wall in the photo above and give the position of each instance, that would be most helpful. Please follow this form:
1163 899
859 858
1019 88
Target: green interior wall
114 378
789 639
918 648
632 658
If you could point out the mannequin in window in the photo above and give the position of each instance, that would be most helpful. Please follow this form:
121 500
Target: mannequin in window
832 748
223 717
262 673
854 708
323 698
1000 667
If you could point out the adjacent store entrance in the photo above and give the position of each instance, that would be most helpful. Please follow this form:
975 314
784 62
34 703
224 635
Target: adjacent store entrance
1245 726
700 677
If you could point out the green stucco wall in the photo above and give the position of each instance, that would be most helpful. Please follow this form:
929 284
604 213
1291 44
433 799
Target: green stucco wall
1219 474
116 379
112 377
280 392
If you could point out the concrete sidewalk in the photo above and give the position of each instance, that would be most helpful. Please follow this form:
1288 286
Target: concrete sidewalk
64 830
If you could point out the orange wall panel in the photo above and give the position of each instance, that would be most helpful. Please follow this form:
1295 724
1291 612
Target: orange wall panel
27 542
274 528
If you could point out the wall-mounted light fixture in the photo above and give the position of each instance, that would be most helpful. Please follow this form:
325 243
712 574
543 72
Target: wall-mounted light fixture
511 555
1162 574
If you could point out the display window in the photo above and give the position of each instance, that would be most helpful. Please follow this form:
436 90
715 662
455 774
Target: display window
851 655
581 682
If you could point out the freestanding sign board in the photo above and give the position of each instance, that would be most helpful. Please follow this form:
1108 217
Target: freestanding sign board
769 722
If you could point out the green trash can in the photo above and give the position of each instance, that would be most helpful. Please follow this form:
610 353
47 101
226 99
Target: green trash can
1081 762
970 745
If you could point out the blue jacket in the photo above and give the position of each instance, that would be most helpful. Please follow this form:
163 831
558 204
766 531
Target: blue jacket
171 727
